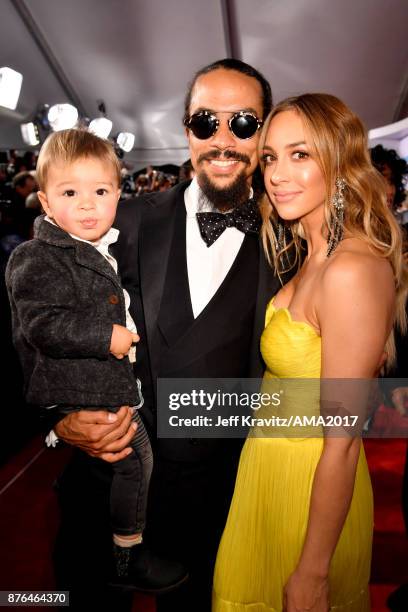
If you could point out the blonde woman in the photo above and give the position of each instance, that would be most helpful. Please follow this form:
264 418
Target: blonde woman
299 531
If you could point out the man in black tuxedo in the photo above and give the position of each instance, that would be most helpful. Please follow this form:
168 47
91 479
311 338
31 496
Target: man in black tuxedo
199 286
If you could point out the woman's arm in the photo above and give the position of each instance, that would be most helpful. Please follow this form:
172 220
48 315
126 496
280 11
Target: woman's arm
355 310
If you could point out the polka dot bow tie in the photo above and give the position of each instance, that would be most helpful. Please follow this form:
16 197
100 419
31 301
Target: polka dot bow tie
246 218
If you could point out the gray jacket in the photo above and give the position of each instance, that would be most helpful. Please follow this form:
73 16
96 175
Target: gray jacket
64 300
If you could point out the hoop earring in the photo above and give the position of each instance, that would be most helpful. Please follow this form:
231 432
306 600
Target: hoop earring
336 228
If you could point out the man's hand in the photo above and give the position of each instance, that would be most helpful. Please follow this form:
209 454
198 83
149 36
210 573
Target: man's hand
121 341
101 434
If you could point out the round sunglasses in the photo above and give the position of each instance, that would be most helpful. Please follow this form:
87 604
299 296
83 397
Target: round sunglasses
242 124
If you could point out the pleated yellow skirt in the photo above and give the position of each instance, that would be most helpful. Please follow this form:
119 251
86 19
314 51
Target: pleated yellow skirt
267 523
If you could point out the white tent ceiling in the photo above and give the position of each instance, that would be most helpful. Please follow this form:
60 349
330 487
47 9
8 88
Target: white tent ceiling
138 56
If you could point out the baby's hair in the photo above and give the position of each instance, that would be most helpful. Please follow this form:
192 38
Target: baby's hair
68 146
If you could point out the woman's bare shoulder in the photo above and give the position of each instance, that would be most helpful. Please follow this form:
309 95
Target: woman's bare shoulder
355 309
354 264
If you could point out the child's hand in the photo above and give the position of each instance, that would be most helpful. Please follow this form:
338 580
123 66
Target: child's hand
121 341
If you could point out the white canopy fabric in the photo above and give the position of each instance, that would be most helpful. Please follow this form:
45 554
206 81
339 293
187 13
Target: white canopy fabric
138 56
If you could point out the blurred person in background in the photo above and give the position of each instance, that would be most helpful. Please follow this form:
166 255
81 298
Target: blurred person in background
394 169
141 184
187 172
23 184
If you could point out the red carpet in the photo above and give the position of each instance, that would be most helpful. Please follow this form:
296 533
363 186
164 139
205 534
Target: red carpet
28 520
390 551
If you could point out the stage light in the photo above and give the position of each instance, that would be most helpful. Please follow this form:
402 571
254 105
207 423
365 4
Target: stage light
62 117
126 140
29 133
101 127
10 87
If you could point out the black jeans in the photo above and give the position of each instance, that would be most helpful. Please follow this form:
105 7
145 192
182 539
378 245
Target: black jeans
130 484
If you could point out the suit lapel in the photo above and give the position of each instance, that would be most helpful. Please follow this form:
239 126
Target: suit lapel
176 313
154 248
88 257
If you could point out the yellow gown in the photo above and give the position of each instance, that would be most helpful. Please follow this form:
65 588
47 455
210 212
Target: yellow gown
267 521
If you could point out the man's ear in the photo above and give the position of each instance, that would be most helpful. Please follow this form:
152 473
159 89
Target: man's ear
44 203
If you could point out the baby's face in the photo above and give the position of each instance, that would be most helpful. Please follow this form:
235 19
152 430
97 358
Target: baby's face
82 197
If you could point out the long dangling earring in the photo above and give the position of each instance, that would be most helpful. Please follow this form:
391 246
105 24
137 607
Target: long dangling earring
336 228
280 242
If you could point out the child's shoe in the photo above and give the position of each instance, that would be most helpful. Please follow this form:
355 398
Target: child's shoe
137 568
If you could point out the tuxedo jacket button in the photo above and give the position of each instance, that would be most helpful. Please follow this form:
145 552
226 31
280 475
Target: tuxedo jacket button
113 299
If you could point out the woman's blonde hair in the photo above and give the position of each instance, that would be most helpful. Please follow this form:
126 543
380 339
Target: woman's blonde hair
68 146
339 144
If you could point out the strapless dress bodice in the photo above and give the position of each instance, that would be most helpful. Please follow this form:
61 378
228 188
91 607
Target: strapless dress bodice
290 349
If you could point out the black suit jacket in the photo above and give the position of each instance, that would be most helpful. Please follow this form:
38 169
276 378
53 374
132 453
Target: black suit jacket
146 230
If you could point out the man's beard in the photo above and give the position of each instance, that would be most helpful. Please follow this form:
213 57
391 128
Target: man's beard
231 196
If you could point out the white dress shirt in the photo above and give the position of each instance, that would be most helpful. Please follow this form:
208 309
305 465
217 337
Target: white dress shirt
207 267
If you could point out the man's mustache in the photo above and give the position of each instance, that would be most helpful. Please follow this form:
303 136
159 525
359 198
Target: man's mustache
216 154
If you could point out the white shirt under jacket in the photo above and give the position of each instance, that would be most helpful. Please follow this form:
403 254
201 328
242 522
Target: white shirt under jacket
207 266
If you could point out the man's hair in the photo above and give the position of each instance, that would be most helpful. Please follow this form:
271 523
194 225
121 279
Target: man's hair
68 146
20 179
237 66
